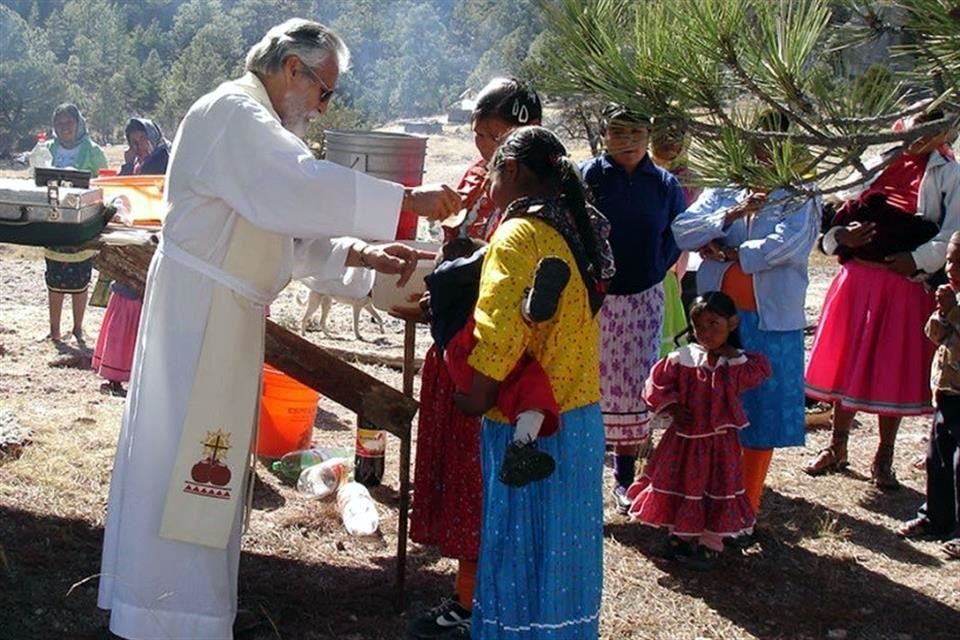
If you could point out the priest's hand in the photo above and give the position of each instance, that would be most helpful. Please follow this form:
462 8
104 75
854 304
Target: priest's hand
391 258
433 202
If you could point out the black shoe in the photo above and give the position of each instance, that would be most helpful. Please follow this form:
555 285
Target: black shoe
675 548
459 632
741 542
700 558
549 281
525 463
620 500
442 621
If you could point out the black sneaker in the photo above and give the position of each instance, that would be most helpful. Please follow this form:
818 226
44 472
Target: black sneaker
543 297
442 621
620 500
525 463
459 632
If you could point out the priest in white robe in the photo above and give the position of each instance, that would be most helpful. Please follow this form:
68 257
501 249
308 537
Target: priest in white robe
249 209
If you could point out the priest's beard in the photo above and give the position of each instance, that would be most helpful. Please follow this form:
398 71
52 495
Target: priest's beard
297 116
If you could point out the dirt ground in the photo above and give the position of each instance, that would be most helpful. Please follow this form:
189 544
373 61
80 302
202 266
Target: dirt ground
827 566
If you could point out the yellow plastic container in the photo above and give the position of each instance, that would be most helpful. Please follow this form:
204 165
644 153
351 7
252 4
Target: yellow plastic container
145 194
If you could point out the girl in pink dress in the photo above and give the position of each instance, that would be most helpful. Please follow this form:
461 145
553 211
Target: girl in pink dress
693 483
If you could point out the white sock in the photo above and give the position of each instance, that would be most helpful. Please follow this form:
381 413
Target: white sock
528 426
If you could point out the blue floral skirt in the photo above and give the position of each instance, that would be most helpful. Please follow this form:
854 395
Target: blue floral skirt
540 574
776 407
68 277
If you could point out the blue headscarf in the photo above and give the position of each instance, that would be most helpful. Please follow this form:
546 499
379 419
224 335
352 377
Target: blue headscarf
149 128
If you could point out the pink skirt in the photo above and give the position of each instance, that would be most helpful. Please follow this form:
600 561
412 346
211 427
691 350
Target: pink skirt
113 355
870 352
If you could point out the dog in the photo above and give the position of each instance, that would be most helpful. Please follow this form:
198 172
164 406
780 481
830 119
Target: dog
353 289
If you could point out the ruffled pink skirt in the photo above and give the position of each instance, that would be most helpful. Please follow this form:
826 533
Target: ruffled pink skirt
113 355
870 352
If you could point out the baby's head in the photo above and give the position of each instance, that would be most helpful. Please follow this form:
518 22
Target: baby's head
460 248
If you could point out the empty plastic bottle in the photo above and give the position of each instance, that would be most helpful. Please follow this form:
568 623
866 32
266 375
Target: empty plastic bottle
289 467
323 480
357 509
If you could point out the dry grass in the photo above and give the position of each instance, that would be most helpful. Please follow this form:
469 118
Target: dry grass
827 559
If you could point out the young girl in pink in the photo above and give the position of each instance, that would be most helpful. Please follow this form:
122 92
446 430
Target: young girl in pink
693 483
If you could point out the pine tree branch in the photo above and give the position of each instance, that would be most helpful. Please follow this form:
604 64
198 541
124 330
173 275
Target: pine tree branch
732 60
714 132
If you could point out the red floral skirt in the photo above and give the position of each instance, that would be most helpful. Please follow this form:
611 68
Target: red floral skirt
694 486
447 483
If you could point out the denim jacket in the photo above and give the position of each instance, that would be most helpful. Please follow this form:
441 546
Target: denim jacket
774 248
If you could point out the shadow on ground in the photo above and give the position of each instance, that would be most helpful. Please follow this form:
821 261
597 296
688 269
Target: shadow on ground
48 588
780 589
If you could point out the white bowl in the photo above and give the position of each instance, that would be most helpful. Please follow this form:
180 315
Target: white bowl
387 295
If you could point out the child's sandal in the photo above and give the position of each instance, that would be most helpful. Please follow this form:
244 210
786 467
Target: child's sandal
952 548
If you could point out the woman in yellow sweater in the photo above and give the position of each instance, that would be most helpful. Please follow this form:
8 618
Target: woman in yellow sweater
540 569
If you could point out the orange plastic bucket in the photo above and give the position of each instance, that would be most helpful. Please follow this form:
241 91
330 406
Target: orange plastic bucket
287 412
145 194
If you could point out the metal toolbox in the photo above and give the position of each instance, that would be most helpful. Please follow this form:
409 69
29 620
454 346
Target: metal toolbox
49 216
22 201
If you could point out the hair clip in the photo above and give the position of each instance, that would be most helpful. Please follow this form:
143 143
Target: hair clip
520 111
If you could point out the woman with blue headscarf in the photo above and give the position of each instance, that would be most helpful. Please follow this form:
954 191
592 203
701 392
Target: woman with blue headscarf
147 154
68 268
148 151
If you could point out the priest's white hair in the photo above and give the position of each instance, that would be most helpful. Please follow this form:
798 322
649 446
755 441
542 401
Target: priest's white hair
310 41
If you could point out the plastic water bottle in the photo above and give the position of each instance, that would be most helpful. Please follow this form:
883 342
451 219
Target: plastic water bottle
290 466
322 480
357 509
40 156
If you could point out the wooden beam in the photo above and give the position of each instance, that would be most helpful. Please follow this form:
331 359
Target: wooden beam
379 403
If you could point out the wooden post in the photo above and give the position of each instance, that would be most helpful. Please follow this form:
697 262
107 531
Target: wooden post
409 369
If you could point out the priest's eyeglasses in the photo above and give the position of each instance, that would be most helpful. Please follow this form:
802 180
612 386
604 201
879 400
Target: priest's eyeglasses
326 92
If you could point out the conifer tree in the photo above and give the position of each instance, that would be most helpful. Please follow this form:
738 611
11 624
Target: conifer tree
717 66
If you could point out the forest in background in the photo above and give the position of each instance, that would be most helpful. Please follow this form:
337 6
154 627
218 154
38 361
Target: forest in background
155 57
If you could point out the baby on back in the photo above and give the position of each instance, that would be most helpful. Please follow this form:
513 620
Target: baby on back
896 231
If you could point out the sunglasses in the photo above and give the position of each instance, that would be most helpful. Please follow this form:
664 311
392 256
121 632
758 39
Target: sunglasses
326 92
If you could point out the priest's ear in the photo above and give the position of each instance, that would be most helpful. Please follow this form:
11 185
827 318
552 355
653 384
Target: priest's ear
291 67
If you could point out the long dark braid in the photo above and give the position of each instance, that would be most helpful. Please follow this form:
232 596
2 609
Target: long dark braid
540 151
